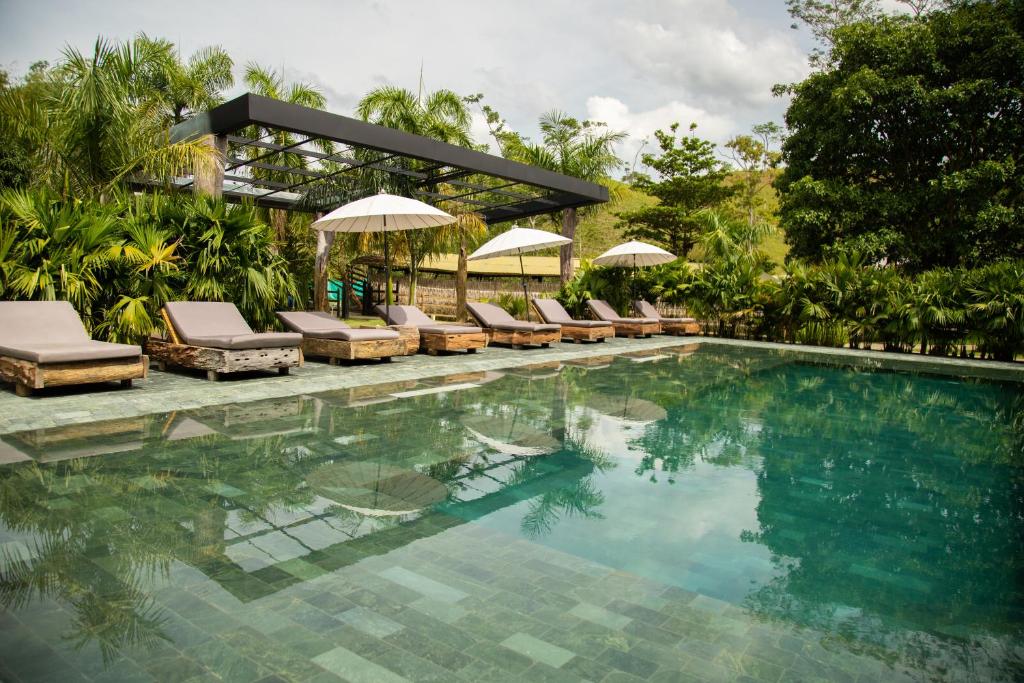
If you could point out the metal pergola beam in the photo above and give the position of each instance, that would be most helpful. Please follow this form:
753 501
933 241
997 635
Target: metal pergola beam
549 191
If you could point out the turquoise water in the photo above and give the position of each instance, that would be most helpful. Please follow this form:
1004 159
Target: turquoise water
699 514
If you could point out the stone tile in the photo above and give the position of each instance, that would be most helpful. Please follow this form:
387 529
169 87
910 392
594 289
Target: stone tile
369 622
600 615
423 585
447 612
356 669
537 649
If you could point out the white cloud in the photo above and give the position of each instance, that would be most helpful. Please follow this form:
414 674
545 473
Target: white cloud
640 126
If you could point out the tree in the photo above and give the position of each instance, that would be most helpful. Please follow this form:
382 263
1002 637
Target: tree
912 139
689 180
441 115
755 158
186 88
92 122
824 17
269 83
582 149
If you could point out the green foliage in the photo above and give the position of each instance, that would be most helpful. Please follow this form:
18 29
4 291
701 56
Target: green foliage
613 285
513 303
689 179
118 262
909 142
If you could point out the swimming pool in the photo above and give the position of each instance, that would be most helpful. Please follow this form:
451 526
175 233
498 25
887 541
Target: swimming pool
695 513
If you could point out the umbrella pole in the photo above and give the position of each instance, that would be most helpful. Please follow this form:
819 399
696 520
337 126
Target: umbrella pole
526 296
387 276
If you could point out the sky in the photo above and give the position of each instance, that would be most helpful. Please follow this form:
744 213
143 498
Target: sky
637 65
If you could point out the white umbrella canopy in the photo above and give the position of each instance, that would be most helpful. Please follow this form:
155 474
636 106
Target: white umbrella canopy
385 213
519 241
634 254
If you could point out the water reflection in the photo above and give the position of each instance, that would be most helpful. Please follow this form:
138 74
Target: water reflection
884 509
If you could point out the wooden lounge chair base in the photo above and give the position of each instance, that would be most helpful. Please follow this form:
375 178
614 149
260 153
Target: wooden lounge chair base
335 350
636 329
518 338
589 334
680 329
216 361
28 375
435 342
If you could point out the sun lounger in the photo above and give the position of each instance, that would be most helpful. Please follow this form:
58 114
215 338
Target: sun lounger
324 335
624 327
213 336
676 326
44 344
502 328
551 311
434 336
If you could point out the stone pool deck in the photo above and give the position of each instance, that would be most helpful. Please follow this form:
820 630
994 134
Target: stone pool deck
168 391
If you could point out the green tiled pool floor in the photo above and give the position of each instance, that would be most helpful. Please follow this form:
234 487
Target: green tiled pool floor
687 513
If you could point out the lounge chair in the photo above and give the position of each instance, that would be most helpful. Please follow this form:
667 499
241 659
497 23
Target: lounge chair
551 311
624 327
213 336
433 336
676 326
325 336
44 344
502 328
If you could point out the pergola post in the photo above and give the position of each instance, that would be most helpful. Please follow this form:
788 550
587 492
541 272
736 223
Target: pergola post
324 240
209 172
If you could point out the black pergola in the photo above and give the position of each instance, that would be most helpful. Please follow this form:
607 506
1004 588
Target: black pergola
287 156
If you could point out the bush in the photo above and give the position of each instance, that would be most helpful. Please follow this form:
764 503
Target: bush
120 261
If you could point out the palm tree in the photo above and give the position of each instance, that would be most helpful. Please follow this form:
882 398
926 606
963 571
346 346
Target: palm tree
441 115
190 87
269 83
582 149
468 230
95 120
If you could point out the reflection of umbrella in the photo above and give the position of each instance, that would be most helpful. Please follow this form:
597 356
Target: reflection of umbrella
516 242
510 436
383 213
626 408
375 489
634 254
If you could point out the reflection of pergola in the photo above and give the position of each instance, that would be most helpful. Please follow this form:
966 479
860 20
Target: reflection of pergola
259 169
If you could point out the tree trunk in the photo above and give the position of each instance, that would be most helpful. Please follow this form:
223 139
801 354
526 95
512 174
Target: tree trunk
279 222
324 240
413 277
461 275
569 221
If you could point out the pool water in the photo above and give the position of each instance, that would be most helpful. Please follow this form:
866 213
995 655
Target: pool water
698 513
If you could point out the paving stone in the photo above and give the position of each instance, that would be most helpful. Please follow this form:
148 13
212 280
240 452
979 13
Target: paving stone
537 649
356 669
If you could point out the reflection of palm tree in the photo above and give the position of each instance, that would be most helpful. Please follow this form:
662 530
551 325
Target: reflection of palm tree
577 500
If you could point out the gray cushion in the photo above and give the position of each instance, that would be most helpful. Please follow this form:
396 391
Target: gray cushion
193 320
552 311
523 326
307 321
489 315
325 326
586 324
69 352
605 312
646 309
267 340
449 329
26 323
404 315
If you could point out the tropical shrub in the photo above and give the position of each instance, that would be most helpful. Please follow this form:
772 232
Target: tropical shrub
119 261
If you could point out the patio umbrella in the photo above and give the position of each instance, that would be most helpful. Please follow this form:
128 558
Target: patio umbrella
376 489
383 213
516 242
634 254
